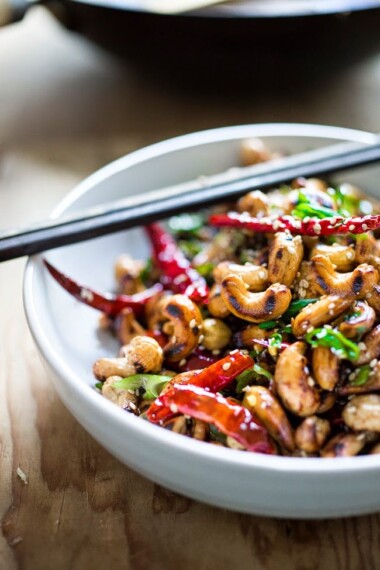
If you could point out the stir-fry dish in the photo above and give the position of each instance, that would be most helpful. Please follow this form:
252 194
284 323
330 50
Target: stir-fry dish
254 326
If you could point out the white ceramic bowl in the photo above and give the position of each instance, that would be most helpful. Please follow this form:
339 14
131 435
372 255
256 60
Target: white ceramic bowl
67 336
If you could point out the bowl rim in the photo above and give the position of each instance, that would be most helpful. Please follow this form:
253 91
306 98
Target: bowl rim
101 406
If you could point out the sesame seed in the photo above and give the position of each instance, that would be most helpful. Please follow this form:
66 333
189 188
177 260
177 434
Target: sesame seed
364 227
262 274
234 351
132 406
302 293
216 352
174 408
310 330
351 409
183 362
351 227
331 306
174 338
350 254
226 366
352 376
361 436
201 338
86 295
310 382
306 219
243 427
361 346
317 228
373 363
193 322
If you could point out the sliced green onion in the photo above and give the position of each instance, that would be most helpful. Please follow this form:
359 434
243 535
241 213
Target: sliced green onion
153 384
146 270
361 376
99 385
250 375
313 211
296 306
205 269
268 325
339 344
188 223
190 247
275 340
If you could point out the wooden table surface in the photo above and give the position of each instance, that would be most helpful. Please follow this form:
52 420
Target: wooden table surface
67 108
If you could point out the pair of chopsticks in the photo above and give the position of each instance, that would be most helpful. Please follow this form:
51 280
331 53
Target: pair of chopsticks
145 207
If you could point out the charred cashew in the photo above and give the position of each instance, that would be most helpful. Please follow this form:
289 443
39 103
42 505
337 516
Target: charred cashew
254 151
261 402
369 347
254 276
285 256
216 334
143 354
323 311
325 367
154 311
216 305
363 413
127 274
187 320
246 337
342 256
311 434
127 327
293 382
255 203
346 444
376 449
357 283
254 307
328 400
372 384
360 322
123 398
367 250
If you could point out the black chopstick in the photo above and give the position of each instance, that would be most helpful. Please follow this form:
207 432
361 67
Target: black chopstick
143 208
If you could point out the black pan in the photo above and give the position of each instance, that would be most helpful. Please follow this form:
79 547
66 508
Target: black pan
251 41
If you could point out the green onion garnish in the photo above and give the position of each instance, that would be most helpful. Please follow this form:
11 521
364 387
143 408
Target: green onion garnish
339 344
153 384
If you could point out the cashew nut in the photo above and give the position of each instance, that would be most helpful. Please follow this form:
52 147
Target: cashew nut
342 256
293 382
373 298
154 311
376 449
216 334
311 434
325 367
254 151
357 283
246 337
187 320
367 250
127 327
216 305
304 285
360 322
254 276
346 444
123 398
363 413
369 347
254 307
255 203
285 256
372 384
323 311
143 354
127 274
261 402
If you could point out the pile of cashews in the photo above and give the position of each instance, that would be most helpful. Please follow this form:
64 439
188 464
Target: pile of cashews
313 402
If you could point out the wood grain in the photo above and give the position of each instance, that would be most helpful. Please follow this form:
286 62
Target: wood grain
65 111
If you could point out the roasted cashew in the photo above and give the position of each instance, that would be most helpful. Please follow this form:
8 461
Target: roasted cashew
255 203
246 337
373 298
347 444
323 311
216 305
311 434
342 256
222 247
187 320
363 413
254 307
254 276
127 327
304 285
194 428
254 151
375 450
325 367
367 250
369 347
127 274
142 354
357 283
285 256
328 400
216 334
123 398
154 311
293 382
360 322
261 402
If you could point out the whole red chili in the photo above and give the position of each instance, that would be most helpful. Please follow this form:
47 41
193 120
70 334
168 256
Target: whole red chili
213 378
309 227
109 304
231 419
178 274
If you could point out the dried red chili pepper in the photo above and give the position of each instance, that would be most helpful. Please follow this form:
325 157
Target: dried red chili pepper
308 227
213 378
109 304
199 359
231 419
177 270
